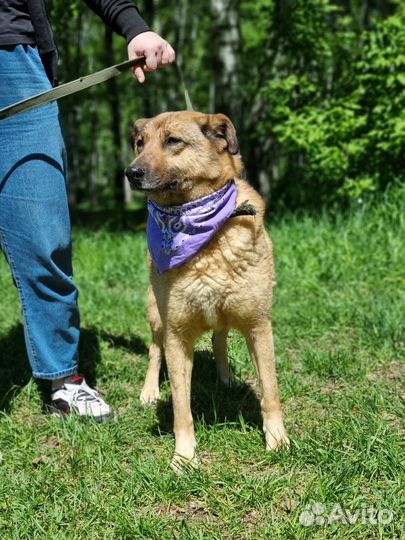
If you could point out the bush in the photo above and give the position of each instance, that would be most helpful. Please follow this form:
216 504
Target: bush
341 128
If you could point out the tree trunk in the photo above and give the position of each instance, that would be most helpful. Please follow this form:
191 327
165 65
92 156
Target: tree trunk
113 96
226 47
148 13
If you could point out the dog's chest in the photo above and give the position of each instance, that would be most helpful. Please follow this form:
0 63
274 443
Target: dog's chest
207 297
216 281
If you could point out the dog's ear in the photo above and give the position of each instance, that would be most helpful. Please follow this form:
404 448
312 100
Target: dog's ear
218 127
137 128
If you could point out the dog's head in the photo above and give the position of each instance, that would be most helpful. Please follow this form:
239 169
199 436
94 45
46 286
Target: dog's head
181 156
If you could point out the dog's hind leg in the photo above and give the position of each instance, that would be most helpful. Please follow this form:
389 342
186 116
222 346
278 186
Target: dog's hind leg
220 348
260 344
150 391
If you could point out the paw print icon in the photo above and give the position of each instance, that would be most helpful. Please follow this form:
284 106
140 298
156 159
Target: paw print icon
313 515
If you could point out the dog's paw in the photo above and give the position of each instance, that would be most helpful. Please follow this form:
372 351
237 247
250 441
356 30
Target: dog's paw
275 434
149 396
276 440
181 464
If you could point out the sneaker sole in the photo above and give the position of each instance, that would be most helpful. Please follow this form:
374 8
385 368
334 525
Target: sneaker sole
57 413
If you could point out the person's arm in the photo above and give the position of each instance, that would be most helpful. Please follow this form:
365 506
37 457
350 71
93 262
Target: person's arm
124 18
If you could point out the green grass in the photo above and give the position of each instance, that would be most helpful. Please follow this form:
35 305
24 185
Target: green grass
339 330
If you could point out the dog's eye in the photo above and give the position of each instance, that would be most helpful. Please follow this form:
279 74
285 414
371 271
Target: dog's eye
172 141
139 145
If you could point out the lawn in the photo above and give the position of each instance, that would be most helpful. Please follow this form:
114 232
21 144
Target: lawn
339 333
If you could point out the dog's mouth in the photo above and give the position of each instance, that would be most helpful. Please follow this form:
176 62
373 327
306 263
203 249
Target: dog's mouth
153 186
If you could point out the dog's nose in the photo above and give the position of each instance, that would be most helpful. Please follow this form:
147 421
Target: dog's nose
135 173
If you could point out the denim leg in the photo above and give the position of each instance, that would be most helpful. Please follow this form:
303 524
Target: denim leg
34 218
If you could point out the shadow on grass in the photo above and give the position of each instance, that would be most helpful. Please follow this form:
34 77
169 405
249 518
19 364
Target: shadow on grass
14 367
16 371
211 401
134 344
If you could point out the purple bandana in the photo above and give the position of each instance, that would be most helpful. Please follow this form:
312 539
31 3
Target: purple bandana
177 233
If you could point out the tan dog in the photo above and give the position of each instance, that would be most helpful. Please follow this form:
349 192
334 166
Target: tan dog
181 157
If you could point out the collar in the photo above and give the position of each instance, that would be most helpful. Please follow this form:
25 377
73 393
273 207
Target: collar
177 233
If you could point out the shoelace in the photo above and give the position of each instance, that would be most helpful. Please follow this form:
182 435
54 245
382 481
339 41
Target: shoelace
86 394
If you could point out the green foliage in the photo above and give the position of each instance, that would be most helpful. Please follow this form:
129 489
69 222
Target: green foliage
335 104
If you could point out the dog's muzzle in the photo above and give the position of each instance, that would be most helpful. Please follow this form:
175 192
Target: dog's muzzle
141 180
135 175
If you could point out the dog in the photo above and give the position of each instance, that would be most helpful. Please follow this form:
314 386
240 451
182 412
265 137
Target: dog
188 164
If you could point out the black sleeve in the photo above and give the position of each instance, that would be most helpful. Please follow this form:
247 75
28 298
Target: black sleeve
120 15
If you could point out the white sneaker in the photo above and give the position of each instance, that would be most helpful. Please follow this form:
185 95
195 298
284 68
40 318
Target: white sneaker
76 397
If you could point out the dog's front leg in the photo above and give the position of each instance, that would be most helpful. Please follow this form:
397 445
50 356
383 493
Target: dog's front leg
150 391
261 348
179 360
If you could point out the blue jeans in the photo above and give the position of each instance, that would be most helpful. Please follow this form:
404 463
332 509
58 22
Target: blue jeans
34 217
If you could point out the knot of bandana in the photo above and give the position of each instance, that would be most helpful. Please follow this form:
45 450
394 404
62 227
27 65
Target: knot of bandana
177 233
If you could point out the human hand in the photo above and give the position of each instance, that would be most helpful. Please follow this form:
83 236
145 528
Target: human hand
157 52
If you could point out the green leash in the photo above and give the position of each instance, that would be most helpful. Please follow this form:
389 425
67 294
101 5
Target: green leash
245 209
81 84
